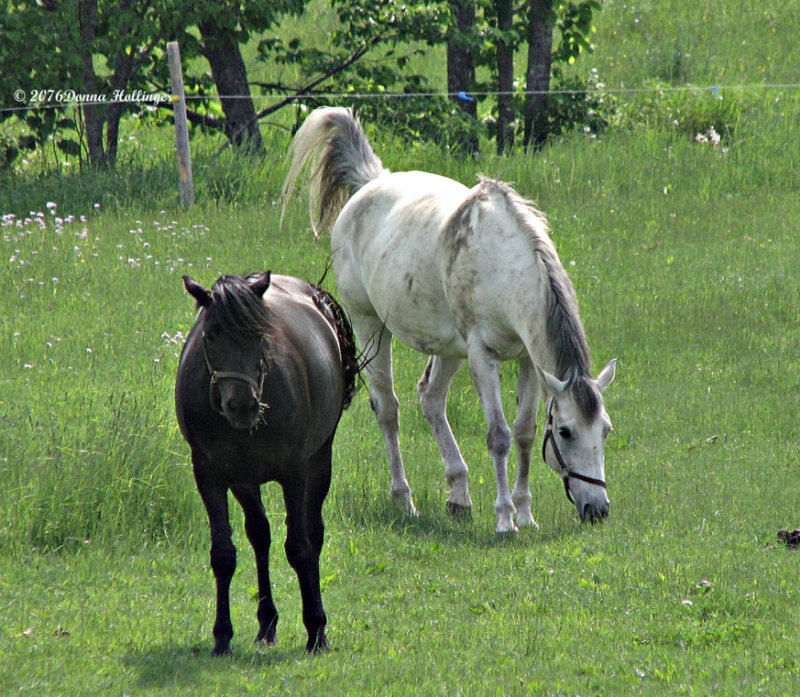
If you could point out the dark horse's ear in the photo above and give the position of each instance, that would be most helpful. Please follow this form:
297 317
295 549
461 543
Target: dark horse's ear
261 284
197 291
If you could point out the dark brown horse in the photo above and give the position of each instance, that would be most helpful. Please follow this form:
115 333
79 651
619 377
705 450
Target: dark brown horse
263 378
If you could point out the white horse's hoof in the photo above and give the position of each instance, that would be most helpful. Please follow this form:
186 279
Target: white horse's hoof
506 527
525 520
406 504
459 512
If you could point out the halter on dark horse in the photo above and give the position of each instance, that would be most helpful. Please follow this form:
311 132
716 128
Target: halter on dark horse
263 378
257 383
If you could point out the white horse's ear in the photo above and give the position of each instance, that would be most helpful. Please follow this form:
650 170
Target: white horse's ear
606 376
551 385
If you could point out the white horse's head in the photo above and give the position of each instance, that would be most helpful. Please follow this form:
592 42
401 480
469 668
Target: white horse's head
575 432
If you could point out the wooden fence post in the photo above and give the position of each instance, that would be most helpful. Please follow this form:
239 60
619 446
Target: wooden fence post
186 184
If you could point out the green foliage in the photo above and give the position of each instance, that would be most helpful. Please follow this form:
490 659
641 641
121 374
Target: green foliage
577 104
575 27
30 65
125 54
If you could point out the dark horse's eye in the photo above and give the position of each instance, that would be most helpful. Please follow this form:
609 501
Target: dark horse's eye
565 433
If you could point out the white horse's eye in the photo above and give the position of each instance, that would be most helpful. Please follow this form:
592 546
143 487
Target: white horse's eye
565 433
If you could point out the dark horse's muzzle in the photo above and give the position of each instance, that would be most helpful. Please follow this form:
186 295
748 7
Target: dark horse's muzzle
242 409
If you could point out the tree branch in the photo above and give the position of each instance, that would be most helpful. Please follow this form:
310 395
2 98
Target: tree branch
197 119
307 89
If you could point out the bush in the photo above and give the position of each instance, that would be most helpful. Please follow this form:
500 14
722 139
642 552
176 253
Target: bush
576 105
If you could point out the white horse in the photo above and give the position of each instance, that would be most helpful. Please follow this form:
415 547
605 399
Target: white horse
458 273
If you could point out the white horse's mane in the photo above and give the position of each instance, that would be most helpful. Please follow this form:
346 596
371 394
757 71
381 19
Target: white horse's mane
564 327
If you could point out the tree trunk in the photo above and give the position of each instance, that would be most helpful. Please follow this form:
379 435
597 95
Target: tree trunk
92 114
124 62
461 68
230 75
505 78
541 19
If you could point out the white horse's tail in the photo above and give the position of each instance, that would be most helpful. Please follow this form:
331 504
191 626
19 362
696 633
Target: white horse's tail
333 143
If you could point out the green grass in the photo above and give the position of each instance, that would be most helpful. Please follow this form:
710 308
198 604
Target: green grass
684 257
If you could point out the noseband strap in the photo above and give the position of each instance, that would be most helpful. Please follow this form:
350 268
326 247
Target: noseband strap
217 375
565 471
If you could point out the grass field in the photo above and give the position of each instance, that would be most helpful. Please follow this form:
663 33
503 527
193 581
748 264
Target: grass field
685 259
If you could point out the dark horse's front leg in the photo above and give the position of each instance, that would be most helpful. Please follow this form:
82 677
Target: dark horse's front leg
304 537
223 555
257 527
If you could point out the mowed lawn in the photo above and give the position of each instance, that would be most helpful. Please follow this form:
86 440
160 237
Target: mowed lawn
685 259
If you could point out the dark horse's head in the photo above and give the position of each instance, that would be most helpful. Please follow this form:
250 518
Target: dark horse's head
235 327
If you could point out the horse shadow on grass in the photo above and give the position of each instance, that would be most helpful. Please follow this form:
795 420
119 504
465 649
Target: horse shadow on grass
433 523
172 665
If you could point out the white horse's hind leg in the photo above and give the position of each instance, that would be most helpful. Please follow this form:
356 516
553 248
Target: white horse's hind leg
524 437
376 341
432 390
486 373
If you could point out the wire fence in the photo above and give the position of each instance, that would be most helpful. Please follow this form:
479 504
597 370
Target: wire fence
61 99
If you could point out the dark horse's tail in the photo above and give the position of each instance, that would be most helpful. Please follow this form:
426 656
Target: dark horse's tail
332 141
347 342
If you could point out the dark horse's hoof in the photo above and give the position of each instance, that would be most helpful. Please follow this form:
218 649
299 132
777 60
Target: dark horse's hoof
267 636
319 644
222 650
459 512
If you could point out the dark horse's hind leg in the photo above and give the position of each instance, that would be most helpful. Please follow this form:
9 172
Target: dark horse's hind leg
257 527
223 555
304 538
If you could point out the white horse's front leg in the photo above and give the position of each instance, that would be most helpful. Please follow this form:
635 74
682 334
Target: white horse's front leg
377 343
432 390
524 438
486 372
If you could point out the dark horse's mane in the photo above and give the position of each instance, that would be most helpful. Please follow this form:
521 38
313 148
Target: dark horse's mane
238 310
241 313
347 342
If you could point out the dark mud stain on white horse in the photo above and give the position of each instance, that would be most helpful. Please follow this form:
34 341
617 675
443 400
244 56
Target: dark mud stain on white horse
460 230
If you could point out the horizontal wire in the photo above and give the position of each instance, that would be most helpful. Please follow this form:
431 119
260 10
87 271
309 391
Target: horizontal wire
466 96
